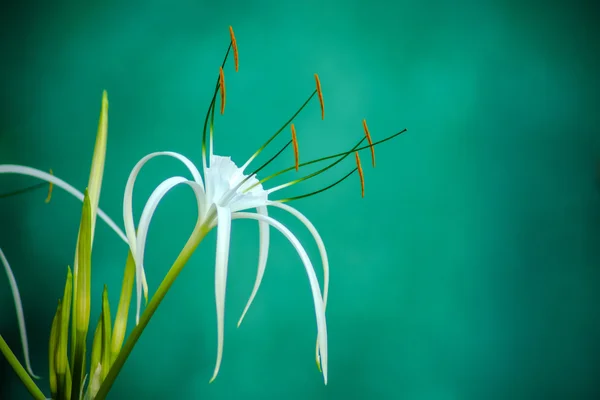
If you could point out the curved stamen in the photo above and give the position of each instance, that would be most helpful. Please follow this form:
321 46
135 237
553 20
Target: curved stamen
368 135
229 195
222 84
343 154
320 93
25 190
333 164
360 174
235 49
295 141
211 107
318 191
261 148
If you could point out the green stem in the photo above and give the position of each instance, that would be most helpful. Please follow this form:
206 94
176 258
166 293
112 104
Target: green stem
197 235
20 371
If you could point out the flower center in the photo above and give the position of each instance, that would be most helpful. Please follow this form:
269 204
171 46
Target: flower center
224 186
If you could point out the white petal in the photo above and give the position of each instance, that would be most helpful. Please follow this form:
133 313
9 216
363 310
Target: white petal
312 277
20 315
128 196
22 170
318 240
128 200
142 233
263 252
223 237
322 252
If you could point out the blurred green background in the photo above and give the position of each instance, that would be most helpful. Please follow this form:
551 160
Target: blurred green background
469 271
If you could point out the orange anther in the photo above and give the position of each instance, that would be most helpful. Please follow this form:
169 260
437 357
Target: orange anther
360 174
320 94
222 85
295 143
368 135
235 49
50 186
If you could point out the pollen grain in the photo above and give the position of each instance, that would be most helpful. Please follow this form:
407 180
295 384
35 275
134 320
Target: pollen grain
235 49
222 85
295 142
320 94
360 174
368 135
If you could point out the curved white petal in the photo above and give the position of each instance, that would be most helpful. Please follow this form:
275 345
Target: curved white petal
322 251
36 173
223 237
128 195
142 233
263 253
318 240
312 277
128 199
20 315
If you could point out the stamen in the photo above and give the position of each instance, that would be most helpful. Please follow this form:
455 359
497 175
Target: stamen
320 93
50 186
259 169
261 148
368 135
235 49
343 155
318 191
295 141
211 109
222 84
360 174
24 190
30 189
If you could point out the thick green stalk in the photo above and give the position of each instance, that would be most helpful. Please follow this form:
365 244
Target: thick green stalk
20 371
197 235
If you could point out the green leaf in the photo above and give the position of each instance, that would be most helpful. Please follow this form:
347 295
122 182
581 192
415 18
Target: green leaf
120 327
106 354
52 347
63 331
98 159
81 298
96 346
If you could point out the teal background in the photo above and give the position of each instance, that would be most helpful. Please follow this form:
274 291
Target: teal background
468 271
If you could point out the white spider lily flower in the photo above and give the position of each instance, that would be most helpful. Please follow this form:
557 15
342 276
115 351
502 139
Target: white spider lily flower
225 192
228 192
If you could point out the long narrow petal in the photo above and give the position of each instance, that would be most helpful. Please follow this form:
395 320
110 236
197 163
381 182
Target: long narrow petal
128 196
142 233
312 277
322 252
128 199
321 246
36 173
263 252
20 315
223 237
